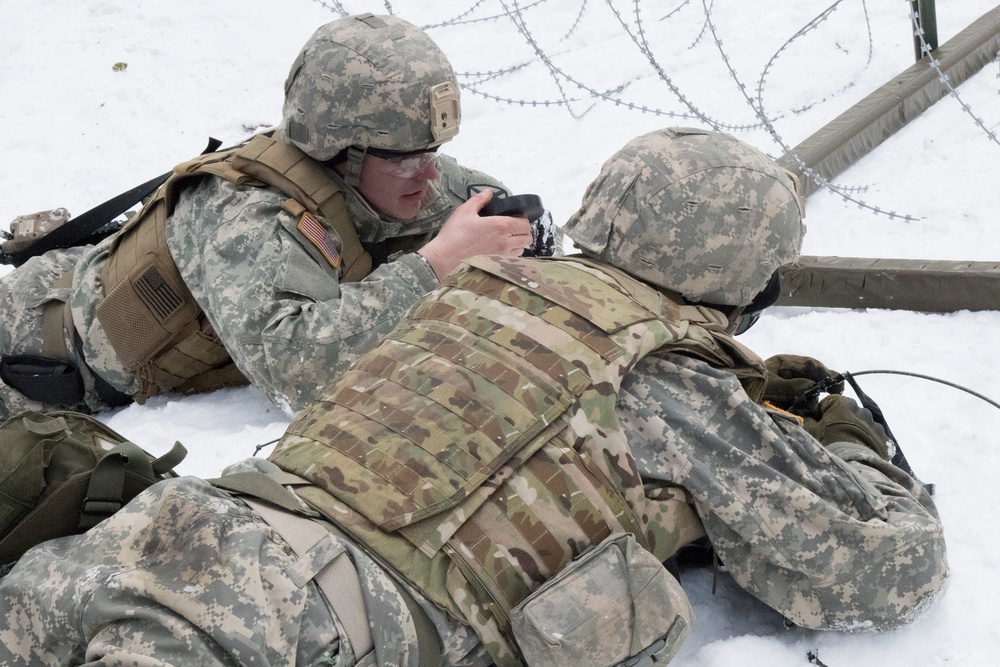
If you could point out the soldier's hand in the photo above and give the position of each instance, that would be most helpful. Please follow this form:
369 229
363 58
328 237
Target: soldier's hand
790 376
465 234
843 420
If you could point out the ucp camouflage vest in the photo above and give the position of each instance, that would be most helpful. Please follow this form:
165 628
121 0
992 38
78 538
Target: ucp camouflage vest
476 451
150 317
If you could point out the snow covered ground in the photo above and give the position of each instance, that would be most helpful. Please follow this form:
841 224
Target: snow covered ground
552 88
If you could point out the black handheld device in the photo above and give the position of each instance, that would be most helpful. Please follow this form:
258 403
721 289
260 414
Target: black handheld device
528 206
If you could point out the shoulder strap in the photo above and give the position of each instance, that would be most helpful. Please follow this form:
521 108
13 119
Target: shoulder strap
265 487
74 232
304 180
339 581
81 228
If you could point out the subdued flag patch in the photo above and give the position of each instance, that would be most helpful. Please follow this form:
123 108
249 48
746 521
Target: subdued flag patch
317 234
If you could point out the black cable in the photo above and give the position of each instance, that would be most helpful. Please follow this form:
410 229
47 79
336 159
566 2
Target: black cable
830 384
932 379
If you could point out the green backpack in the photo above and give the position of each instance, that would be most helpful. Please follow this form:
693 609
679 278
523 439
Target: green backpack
63 472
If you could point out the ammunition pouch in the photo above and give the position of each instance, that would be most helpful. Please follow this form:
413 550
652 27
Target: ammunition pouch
148 310
51 381
615 604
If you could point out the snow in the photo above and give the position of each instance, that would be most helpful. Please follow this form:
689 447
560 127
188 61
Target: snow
77 132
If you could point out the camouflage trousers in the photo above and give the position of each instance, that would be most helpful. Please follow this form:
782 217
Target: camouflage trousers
183 575
832 537
186 574
23 295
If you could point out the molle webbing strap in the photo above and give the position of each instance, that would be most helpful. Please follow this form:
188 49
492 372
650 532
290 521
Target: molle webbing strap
56 321
453 445
305 181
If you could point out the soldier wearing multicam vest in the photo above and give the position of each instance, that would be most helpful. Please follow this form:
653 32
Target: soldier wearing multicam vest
823 529
288 255
505 471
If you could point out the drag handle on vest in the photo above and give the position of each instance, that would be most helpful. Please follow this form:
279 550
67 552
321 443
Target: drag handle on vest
530 207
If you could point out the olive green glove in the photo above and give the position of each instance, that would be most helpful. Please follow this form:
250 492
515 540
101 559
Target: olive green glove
789 376
843 420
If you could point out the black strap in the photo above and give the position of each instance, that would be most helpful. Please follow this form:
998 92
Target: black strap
898 458
378 251
86 225
106 492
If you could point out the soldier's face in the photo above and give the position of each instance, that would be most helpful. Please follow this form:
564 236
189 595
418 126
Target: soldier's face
396 186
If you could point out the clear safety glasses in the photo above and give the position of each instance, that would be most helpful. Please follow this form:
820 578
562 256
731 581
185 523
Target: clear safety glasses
402 165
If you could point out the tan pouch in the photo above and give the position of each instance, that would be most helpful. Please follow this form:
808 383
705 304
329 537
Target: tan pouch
614 603
147 311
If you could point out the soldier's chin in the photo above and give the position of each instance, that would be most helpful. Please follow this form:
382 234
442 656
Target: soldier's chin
409 205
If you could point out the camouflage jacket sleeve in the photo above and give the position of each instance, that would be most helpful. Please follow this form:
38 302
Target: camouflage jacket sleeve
787 515
285 317
280 309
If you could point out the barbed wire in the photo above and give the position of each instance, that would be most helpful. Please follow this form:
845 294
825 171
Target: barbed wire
639 39
576 23
675 10
926 52
335 7
809 27
758 107
462 20
579 96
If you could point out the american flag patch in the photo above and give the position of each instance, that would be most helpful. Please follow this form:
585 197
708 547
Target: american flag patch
313 230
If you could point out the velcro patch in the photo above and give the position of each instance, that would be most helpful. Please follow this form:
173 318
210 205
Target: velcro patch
317 234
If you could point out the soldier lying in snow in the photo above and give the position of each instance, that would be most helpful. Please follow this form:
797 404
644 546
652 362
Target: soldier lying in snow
499 480
276 262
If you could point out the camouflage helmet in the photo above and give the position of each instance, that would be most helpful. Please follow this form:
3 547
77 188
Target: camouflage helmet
371 82
696 212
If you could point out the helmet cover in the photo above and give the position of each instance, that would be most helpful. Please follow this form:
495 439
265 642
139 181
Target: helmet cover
696 212
372 82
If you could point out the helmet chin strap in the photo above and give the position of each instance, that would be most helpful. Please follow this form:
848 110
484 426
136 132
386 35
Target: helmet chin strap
742 318
736 321
355 156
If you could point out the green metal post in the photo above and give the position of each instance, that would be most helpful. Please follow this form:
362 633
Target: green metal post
926 18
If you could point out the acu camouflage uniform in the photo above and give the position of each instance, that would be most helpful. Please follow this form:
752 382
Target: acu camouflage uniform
284 315
833 537
187 575
276 302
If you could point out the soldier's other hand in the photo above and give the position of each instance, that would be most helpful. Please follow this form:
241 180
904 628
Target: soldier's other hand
790 376
466 234
843 420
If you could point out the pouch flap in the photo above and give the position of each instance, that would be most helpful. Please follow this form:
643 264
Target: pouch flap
612 603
